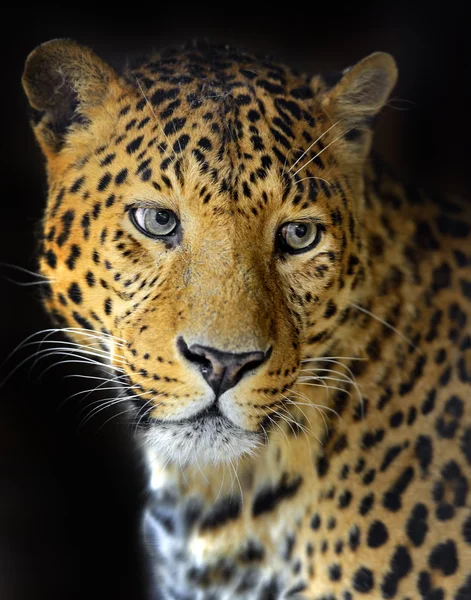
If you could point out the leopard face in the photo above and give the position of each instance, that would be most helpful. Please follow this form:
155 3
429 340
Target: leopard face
203 228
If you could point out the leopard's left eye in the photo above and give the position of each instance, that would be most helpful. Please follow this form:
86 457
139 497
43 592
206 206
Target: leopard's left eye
154 222
299 236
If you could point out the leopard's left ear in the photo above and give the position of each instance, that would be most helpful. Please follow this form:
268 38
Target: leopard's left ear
356 99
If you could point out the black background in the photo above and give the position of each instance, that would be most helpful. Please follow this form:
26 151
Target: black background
69 495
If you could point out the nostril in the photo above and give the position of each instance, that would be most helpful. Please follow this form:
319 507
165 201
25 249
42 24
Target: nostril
195 355
257 359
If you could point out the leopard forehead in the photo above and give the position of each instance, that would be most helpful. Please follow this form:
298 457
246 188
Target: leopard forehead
220 117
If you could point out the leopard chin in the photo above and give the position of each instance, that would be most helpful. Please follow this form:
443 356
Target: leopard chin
210 440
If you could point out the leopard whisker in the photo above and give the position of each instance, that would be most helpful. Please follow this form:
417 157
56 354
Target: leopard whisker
23 342
290 401
285 418
101 389
22 270
63 346
278 425
322 383
182 470
352 381
286 161
107 403
318 407
92 334
386 324
331 387
146 411
238 481
106 379
310 403
50 352
101 400
104 405
323 149
304 429
156 119
124 412
49 332
73 346
313 144
312 177
29 283
301 380
83 361
325 358
350 372
200 470
344 376
74 354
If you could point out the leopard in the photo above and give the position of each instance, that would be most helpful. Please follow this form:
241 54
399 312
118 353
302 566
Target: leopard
285 319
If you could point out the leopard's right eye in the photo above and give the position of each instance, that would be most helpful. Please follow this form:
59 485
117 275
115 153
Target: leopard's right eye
154 222
299 236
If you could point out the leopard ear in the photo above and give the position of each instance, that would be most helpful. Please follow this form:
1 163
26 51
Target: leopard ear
355 100
64 83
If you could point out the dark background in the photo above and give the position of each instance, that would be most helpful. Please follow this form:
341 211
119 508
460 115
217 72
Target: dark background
70 495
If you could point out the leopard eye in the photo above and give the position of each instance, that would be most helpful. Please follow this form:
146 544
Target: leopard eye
299 236
154 222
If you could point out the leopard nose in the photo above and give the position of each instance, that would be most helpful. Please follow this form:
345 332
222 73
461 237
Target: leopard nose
222 370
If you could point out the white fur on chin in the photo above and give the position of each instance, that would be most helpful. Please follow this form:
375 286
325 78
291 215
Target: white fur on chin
212 441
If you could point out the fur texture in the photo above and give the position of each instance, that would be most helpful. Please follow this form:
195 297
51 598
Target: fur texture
338 466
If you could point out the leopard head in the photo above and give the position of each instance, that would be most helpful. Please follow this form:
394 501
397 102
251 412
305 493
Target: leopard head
203 232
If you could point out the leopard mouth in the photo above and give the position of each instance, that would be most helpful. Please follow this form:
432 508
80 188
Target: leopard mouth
209 421
211 413
208 437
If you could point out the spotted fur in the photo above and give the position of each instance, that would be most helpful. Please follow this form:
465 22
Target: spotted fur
339 467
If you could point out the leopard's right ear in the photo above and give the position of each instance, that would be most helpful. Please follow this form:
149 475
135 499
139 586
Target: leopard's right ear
355 100
65 83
